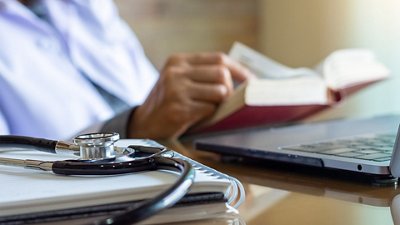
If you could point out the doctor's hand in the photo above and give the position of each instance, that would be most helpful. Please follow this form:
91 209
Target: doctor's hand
189 89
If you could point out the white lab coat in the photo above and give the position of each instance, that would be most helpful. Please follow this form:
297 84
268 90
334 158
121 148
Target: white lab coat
46 71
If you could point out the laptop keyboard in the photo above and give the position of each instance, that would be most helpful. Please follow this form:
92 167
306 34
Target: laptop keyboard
372 147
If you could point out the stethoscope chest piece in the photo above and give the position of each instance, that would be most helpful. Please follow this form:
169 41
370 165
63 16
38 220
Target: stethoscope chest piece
96 146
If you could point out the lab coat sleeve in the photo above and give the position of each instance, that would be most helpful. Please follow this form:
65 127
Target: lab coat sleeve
4 129
119 123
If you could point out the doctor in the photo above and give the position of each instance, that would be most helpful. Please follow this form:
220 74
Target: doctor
72 66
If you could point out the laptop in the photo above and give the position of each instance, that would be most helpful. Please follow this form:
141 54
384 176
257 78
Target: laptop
363 146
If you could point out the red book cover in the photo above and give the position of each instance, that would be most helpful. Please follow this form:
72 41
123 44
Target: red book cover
253 116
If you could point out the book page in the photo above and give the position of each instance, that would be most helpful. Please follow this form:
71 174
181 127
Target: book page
264 67
277 83
348 67
306 90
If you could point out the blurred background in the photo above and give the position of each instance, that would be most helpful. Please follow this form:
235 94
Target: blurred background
295 33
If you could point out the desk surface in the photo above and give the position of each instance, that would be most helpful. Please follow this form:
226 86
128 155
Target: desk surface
286 196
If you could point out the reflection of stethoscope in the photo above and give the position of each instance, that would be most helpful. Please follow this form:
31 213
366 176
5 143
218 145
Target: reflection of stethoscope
99 156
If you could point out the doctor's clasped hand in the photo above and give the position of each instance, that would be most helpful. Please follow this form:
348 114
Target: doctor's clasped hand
189 89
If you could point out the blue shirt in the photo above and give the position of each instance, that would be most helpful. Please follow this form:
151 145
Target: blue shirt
49 70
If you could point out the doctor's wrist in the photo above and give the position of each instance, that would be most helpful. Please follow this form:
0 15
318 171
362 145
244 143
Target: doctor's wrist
136 126
119 124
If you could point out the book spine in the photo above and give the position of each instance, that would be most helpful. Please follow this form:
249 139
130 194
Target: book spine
254 116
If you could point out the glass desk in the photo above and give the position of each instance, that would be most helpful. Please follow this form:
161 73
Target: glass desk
277 196
286 196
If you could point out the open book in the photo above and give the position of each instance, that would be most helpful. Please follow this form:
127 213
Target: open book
32 195
283 94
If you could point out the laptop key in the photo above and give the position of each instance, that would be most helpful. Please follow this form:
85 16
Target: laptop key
383 159
372 156
367 151
363 147
337 151
387 148
349 154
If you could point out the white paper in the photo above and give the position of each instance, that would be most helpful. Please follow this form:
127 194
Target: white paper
296 91
264 67
278 84
342 68
25 191
347 67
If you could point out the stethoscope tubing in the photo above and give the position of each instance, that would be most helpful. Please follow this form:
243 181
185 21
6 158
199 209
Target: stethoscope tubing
72 167
84 168
164 200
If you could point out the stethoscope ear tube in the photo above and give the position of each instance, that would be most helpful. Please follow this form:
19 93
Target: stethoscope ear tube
24 142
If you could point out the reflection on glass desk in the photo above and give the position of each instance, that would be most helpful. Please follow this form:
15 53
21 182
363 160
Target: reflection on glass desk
229 218
285 196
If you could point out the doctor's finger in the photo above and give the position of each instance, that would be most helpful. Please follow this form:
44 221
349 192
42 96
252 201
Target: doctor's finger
195 58
239 72
214 93
211 75
202 110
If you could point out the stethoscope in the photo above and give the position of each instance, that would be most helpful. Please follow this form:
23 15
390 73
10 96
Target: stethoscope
98 155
